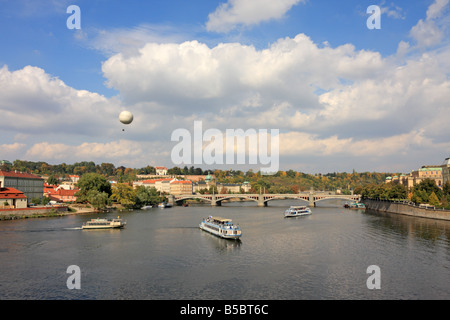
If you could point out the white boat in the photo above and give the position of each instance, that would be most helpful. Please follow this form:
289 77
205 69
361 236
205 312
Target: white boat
164 205
104 224
354 205
146 207
221 227
297 211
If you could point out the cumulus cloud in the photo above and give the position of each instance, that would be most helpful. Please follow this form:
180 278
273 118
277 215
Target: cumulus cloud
32 101
428 33
11 149
232 76
333 98
115 149
236 13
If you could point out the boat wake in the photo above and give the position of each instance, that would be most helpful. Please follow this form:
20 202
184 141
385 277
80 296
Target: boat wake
76 228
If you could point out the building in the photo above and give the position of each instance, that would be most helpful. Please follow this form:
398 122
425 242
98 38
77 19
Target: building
161 171
149 183
197 178
428 172
61 193
74 178
435 173
445 171
64 195
181 187
200 185
11 198
233 187
31 185
161 185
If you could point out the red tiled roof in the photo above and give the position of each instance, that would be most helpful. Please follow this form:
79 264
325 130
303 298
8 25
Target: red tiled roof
64 192
149 181
182 182
11 193
16 174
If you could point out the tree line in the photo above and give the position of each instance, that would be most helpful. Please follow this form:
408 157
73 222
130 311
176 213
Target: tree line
96 190
425 192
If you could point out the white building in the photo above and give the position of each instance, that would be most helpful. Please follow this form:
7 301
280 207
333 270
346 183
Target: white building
161 171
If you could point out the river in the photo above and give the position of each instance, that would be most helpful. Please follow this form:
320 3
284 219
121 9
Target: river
162 254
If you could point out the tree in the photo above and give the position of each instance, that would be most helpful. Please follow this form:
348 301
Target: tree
433 200
124 194
429 186
147 196
52 180
92 181
97 199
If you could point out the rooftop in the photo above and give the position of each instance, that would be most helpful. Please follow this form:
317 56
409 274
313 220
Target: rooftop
11 193
16 174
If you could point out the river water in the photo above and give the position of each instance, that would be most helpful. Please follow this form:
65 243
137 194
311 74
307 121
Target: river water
162 254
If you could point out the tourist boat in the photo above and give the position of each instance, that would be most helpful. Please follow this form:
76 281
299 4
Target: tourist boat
221 227
164 205
354 205
104 224
297 211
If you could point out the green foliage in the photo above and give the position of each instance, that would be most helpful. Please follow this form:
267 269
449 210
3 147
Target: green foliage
129 197
124 194
97 199
147 196
52 180
92 181
433 199
386 191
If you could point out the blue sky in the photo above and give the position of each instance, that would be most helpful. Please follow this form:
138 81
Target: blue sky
311 69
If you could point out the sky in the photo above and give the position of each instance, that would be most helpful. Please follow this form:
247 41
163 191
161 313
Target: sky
342 96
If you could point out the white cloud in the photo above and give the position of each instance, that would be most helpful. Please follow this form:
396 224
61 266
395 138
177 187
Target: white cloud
32 101
129 40
428 32
8 150
392 10
436 9
116 149
247 12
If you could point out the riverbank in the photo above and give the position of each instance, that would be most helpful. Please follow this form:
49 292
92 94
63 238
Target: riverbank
34 212
408 209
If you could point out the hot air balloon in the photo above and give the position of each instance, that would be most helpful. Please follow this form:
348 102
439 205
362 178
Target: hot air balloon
126 117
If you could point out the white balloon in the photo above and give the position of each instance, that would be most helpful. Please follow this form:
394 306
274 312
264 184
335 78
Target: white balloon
126 117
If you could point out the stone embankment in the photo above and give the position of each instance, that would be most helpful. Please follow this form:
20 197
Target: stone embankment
33 212
406 208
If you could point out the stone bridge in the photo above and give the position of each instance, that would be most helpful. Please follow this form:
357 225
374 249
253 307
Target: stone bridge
262 199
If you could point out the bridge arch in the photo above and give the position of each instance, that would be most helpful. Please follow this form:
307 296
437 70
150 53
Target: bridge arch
262 199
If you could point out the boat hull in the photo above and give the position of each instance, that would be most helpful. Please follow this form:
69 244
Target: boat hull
222 233
295 211
104 224
290 215
102 227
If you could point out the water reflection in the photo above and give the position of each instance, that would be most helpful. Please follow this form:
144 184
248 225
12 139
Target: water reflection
427 229
221 245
